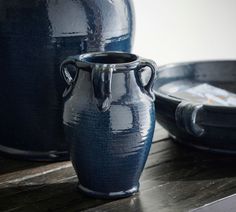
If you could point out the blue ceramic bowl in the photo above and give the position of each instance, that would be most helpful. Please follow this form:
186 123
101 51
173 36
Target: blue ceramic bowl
203 126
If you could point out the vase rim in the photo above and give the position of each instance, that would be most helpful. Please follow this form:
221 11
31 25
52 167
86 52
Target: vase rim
118 60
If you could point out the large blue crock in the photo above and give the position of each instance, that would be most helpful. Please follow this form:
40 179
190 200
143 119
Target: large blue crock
109 120
35 37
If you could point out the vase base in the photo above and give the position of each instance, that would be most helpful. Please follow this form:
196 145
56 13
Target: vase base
109 195
49 156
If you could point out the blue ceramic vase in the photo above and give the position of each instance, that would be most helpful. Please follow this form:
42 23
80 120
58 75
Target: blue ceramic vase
35 37
109 120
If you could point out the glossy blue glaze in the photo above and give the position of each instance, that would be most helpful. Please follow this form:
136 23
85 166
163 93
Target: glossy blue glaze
35 37
109 120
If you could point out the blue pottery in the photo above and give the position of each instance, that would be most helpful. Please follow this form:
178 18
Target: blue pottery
109 120
35 37
192 121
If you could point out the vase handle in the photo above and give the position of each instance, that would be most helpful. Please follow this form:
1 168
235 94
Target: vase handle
148 88
67 76
102 79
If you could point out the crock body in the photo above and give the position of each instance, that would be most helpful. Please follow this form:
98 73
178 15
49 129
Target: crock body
35 37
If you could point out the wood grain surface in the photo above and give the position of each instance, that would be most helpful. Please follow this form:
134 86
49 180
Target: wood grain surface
175 178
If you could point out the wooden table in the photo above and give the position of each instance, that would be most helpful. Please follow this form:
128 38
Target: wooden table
176 178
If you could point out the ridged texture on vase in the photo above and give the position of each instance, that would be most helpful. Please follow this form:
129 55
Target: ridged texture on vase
111 148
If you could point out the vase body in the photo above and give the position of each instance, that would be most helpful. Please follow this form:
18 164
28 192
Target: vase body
110 139
35 37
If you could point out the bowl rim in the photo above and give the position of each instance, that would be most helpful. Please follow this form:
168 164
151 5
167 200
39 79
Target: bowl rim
176 100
